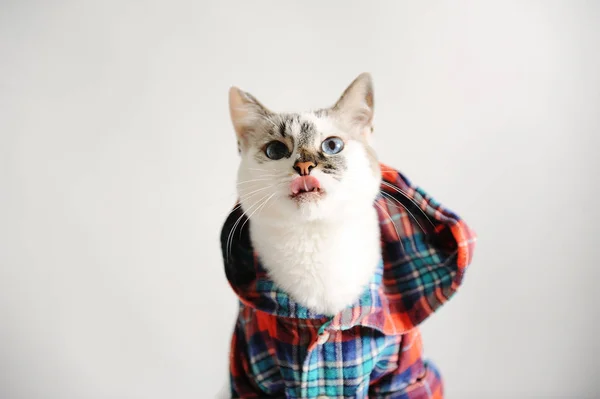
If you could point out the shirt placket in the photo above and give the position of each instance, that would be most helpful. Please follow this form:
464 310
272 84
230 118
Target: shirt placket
311 364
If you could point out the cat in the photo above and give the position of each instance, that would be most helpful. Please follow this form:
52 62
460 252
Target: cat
335 257
307 182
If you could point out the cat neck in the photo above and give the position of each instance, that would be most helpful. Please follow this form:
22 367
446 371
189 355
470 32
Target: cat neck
324 264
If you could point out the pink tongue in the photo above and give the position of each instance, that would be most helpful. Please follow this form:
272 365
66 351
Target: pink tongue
304 184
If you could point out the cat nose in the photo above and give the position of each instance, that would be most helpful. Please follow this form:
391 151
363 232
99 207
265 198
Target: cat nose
304 168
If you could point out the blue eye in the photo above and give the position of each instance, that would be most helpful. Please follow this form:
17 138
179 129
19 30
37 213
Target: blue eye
276 150
332 145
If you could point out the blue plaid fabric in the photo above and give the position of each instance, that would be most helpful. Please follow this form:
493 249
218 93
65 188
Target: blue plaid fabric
371 349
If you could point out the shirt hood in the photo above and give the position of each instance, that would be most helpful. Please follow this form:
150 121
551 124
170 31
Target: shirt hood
425 248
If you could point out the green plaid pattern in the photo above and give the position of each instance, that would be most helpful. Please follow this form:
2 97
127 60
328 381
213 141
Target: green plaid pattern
371 349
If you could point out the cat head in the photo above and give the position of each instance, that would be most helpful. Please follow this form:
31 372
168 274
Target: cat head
310 165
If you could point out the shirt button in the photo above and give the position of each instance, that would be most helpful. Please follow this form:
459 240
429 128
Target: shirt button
322 339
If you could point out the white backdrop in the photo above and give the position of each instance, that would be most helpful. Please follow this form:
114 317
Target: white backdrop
117 167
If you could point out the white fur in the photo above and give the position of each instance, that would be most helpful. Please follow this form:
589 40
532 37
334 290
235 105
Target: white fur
321 253
323 265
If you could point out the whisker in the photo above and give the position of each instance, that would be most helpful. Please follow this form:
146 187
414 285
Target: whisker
405 208
392 222
234 208
245 196
231 233
260 207
263 170
253 180
229 245
248 195
404 194
268 175
264 206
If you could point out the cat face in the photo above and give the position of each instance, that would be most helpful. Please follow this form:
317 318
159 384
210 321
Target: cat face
312 165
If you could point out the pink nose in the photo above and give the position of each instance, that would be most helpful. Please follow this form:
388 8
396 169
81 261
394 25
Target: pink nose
304 168
305 184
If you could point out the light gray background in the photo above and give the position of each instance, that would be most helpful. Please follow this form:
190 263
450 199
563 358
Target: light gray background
117 167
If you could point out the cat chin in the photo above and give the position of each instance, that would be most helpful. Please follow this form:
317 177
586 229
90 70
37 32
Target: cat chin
292 211
289 211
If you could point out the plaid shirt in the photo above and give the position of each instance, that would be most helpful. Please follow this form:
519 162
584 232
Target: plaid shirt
371 349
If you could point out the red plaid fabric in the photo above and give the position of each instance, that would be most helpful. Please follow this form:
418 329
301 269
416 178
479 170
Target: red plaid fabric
371 349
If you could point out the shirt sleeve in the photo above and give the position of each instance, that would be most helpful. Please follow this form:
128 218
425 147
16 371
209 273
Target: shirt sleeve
410 377
426 249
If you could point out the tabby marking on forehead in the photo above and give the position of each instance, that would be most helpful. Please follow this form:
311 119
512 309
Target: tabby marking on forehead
295 125
303 137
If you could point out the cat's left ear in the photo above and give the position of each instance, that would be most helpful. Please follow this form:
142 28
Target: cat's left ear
356 105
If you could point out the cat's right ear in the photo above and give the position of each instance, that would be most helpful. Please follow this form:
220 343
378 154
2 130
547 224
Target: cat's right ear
245 111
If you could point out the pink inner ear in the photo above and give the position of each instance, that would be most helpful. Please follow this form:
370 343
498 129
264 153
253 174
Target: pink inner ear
362 116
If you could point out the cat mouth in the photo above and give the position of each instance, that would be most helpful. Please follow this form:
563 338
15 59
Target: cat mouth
305 188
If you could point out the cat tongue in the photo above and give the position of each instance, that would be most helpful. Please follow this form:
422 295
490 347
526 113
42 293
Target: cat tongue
305 184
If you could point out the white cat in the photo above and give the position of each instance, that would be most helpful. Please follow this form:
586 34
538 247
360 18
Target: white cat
307 182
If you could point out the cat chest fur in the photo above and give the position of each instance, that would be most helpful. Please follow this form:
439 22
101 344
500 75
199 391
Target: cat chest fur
323 265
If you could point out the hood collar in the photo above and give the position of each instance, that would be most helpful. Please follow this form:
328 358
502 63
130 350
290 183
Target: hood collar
425 248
